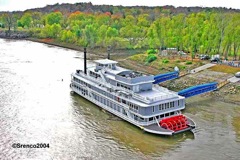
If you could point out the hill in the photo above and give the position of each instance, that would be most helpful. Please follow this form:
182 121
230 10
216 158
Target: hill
89 7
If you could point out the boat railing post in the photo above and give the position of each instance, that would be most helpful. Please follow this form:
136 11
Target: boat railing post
157 121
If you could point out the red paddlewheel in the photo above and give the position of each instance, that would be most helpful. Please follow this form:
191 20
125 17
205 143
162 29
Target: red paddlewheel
174 123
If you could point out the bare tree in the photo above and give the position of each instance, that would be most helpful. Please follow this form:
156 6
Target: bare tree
10 21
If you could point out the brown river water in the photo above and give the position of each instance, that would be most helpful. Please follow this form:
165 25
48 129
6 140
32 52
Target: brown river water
37 106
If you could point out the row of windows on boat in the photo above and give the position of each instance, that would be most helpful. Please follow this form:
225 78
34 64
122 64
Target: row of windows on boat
95 76
81 82
84 91
165 106
109 103
157 117
119 108
123 86
133 107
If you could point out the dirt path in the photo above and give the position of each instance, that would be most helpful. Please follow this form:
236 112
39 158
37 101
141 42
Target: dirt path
234 79
206 66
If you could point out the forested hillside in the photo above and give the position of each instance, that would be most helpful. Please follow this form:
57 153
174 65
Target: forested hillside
194 30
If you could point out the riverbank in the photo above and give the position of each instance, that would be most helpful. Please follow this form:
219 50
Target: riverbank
93 53
13 34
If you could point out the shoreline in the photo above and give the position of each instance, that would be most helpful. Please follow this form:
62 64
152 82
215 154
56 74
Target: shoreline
94 54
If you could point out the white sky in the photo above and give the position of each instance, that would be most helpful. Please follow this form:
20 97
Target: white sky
13 5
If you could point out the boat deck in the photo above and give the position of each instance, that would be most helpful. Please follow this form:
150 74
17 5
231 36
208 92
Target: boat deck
154 128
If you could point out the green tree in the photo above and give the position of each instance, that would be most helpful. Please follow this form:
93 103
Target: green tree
54 17
112 32
26 20
37 19
51 31
102 35
90 33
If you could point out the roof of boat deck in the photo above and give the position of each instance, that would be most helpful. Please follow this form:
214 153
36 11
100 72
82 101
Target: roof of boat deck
114 72
106 61
155 93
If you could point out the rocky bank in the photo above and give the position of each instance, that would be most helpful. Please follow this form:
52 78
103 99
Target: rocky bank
14 34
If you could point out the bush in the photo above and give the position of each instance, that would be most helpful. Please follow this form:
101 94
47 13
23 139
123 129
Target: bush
188 63
152 51
139 57
238 87
181 67
178 61
151 58
165 61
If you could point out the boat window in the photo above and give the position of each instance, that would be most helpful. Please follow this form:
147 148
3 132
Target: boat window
160 106
162 115
178 102
172 113
135 117
167 105
153 109
136 107
123 101
150 119
164 106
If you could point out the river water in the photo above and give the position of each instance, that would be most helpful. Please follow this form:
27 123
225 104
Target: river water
36 106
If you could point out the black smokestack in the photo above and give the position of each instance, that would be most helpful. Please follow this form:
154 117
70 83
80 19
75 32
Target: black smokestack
85 60
108 52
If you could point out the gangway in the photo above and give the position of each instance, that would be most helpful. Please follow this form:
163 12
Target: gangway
199 89
165 77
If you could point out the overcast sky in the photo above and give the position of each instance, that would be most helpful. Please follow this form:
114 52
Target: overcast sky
13 5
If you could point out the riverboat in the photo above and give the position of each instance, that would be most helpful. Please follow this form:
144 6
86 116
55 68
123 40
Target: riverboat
132 96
